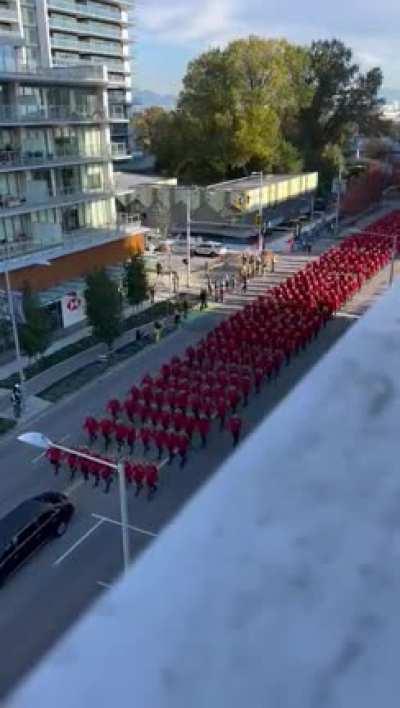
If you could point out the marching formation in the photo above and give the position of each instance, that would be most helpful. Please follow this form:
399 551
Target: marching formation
173 411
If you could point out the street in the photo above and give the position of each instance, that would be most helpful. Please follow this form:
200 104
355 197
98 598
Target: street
57 585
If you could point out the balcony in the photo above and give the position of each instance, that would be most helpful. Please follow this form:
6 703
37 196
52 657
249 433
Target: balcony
89 28
108 64
111 48
117 112
15 205
14 160
119 151
88 10
8 13
78 74
12 115
18 251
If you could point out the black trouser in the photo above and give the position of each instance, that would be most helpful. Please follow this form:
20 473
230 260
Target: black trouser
235 438
222 421
96 479
106 441
183 456
108 484
171 456
72 472
160 451
139 487
152 491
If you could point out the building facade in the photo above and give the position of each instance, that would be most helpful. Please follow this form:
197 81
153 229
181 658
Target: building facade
57 149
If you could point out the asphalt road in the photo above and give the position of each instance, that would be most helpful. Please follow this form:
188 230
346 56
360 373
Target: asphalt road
46 596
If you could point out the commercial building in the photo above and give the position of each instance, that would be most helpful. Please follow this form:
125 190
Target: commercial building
232 206
57 192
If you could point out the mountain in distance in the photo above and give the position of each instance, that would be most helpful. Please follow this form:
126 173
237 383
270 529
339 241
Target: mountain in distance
145 99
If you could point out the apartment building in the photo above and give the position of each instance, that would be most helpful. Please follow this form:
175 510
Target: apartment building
57 193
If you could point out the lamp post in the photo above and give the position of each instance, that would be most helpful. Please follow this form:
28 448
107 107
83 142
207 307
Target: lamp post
260 209
338 201
43 442
14 324
188 238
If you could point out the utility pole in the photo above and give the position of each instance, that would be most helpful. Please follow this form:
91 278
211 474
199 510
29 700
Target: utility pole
188 237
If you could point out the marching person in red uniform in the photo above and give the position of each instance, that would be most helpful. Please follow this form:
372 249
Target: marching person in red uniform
129 406
55 457
121 434
91 426
189 426
106 428
72 461
235 426
170 444
138 476
166 420
159 440
114 408
107 474
145 436
131 439
203 425
183 444
221 411
151 472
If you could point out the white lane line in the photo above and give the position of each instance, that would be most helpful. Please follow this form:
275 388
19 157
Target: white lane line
78 543
103 585
42 454
72 487
118 523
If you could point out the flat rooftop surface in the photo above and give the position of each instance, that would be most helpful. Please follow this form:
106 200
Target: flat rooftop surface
253 182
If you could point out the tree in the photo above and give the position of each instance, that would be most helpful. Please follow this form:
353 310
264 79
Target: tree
342 97
233 112
136 281
35 332
103 307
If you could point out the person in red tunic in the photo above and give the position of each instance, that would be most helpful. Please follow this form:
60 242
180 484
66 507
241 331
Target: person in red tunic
159 440
129 407
91 426
121 434
107 475
72 461
170 445
166 420
138 476
235 426
55 457
131 439
145 436
128 471
221 411
106 428
151 472
114 408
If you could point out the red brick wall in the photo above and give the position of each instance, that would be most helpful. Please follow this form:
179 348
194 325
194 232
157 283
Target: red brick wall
75 265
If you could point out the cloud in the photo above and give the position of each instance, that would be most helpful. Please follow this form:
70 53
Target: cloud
369 27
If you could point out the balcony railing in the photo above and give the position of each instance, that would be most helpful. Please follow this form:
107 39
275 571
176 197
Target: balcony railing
11 114
12 159
119 150
80 73
89 9
112 48
117 112
97 28
8 14
15 204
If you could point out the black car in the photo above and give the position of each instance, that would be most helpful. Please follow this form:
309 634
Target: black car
31 524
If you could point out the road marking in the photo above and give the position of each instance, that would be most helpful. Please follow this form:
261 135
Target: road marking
103 585
118 523
42 454
78 543
72 487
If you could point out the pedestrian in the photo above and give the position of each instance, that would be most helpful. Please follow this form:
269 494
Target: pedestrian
151 472
235 426
232 282
121 434
152 291
114 408
138 476
131 438
203 426
183 444
94 470
244 280
157 329
107 474
221 411
145 436
91 426
54 455
106 428
203 299
84 467
221 292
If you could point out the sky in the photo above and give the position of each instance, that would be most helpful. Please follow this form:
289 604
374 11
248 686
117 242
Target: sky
169 33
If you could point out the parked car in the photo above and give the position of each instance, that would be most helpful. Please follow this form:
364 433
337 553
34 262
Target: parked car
209 248
31 524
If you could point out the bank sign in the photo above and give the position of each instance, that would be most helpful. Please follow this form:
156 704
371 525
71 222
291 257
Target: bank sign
73 308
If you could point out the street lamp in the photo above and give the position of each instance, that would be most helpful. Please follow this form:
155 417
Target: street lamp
43 442
260 209
11 308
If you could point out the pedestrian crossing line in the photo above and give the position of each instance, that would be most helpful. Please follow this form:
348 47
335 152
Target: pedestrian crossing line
73 487
78 542
118 523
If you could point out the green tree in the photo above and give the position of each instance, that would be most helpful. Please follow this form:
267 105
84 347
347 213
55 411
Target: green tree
234 111
35 333
342 97
103 307
136 281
